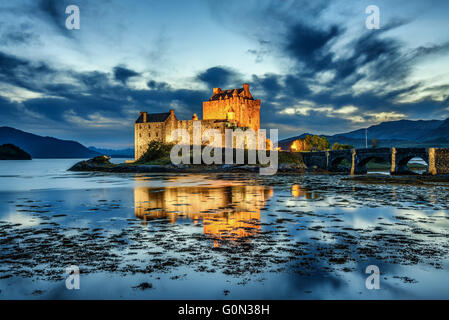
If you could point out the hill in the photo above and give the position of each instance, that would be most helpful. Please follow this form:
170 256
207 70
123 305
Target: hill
438 134
396 130
402 133
44 147
12 152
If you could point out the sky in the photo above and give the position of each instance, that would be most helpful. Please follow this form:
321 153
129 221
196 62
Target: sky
315 65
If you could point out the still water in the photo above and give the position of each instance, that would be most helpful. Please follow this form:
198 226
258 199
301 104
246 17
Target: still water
221 236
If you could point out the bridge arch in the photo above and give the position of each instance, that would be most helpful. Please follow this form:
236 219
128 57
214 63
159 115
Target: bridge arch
336 157
401 157
363 156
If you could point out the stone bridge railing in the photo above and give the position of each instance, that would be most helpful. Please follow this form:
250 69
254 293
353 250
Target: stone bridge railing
436 158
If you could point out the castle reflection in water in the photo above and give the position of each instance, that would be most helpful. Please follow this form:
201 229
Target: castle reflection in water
228 212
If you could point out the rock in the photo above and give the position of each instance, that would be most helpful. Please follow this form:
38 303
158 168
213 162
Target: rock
100 163
289 167
246 168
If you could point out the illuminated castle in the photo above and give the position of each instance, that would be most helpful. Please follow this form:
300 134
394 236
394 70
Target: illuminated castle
234 108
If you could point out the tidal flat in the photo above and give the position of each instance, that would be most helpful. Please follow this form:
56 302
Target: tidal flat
217 236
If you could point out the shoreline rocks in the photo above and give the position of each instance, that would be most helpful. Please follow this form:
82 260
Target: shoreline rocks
102 164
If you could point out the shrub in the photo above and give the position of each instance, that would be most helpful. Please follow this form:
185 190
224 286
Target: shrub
156 151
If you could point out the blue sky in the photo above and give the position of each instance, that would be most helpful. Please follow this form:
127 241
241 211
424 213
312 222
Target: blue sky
313 64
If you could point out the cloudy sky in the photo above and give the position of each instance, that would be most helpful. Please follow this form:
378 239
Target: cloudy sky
314 64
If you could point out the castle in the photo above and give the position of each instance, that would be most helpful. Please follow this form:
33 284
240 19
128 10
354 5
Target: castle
234 108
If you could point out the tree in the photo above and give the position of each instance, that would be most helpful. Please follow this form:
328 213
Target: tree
337 146
299 145
310 143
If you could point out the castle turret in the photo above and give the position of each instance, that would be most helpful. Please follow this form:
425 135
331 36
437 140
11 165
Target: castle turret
246 90
144 116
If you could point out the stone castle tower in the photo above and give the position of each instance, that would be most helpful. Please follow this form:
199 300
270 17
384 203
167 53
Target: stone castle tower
236 105
226 108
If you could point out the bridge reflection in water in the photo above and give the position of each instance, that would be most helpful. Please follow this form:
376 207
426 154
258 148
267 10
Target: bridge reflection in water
299 192
228 213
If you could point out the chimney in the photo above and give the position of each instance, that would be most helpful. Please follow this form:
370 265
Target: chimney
144 116
195 117
246 89
172 112
216 91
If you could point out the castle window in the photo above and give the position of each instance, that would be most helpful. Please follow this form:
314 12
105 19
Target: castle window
149 134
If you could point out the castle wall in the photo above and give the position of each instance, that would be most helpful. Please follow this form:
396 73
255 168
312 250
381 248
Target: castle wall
161 131
145 133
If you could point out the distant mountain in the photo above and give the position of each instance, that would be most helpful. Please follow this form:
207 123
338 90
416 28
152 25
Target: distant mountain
439 134
121 153
402 133
396 130
44 147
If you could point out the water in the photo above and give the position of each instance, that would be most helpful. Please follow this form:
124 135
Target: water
222 236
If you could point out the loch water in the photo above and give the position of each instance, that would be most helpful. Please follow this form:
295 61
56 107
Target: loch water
217 236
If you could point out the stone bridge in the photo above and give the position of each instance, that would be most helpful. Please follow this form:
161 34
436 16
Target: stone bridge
436 158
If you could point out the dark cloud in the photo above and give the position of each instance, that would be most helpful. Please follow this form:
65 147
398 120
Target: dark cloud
92 102
219 77
23 73
53 11
309 45
154 85
122 74
431 50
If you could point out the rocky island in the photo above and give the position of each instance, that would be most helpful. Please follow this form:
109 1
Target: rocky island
102 164
12 152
